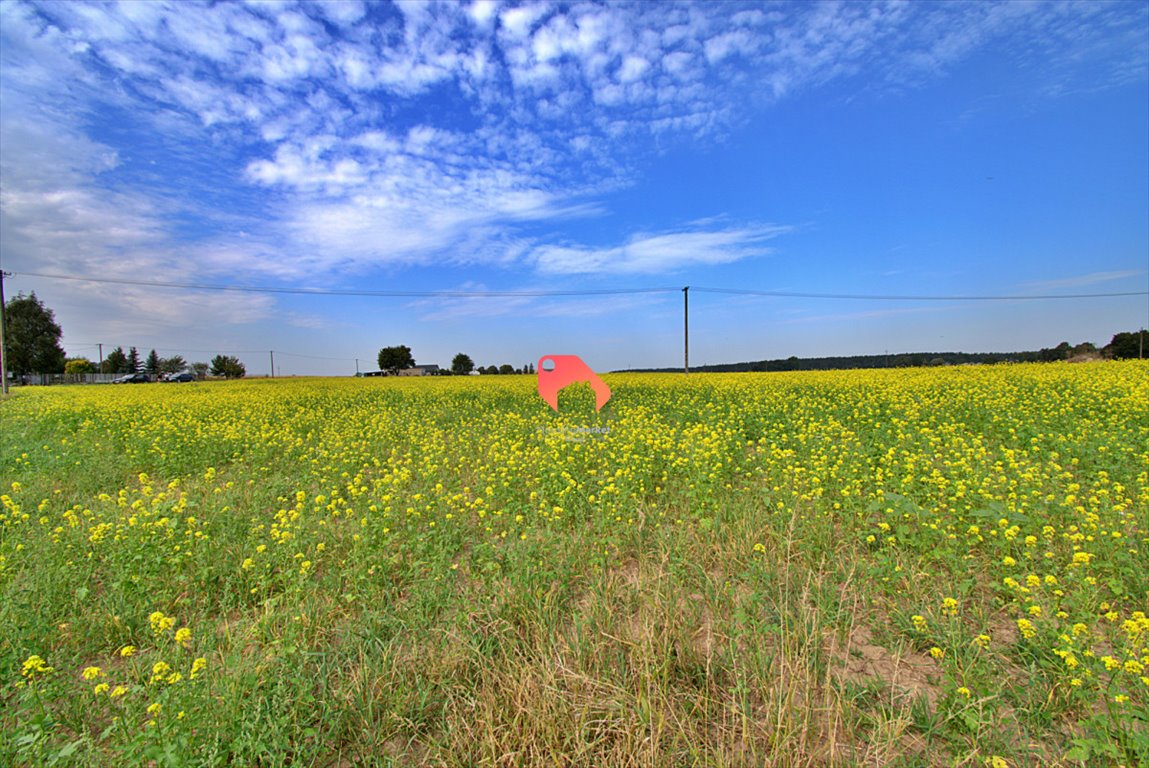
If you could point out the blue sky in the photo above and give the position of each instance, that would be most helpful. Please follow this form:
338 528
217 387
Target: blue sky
921 148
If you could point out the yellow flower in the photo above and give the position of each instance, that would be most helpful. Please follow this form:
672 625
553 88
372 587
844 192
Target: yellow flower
1133 667
160 623
154 708
964 691
119 691
1121 698
1110 662
159 671
33 666
247 564
183 636
127 650
936 652
920 623
91 673
760 548
982 641
101 688
197 666
174 678
1008 561
1034 610
1026 628
949 607
997 762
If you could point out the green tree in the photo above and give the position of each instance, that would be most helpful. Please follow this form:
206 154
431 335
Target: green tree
394 359
32 337
228 367
173 364
200 370
115 362
506 369
1126 346
79 365
152 365
462 364
133 361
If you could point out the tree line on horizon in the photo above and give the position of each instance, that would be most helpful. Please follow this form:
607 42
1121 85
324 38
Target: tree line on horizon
32 346
397 358
1123 346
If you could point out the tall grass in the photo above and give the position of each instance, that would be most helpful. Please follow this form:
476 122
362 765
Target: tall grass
942 567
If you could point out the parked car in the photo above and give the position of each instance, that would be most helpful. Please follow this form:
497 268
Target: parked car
181 377
133 378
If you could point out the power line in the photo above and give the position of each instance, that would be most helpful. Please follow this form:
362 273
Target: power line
580 292
333 292
906 297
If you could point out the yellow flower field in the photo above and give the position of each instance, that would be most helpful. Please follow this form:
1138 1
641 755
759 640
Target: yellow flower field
944 566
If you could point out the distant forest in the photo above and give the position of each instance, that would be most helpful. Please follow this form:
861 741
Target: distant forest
1122 346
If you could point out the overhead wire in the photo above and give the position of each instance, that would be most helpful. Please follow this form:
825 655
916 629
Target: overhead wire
459 293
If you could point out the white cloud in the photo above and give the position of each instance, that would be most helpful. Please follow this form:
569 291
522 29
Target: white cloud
342 12
632 69
656 254
1081 281
300 100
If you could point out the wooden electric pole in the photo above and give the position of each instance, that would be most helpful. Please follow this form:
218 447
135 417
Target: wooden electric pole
686 329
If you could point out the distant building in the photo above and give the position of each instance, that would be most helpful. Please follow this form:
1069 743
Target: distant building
420 370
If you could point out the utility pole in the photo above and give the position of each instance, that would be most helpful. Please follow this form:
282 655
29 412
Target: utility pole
100 362
272 353
357 366
3 357
686 329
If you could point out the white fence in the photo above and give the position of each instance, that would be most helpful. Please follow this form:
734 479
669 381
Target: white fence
41 379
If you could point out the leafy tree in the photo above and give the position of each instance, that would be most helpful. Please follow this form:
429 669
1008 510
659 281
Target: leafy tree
1125 346
506 369
394 359
228 367
200 370
462 365
152 365
79 365
133 361
32 337
115 362
173 364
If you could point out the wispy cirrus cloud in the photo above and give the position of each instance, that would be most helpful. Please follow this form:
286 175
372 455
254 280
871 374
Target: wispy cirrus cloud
660 253
1082 281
